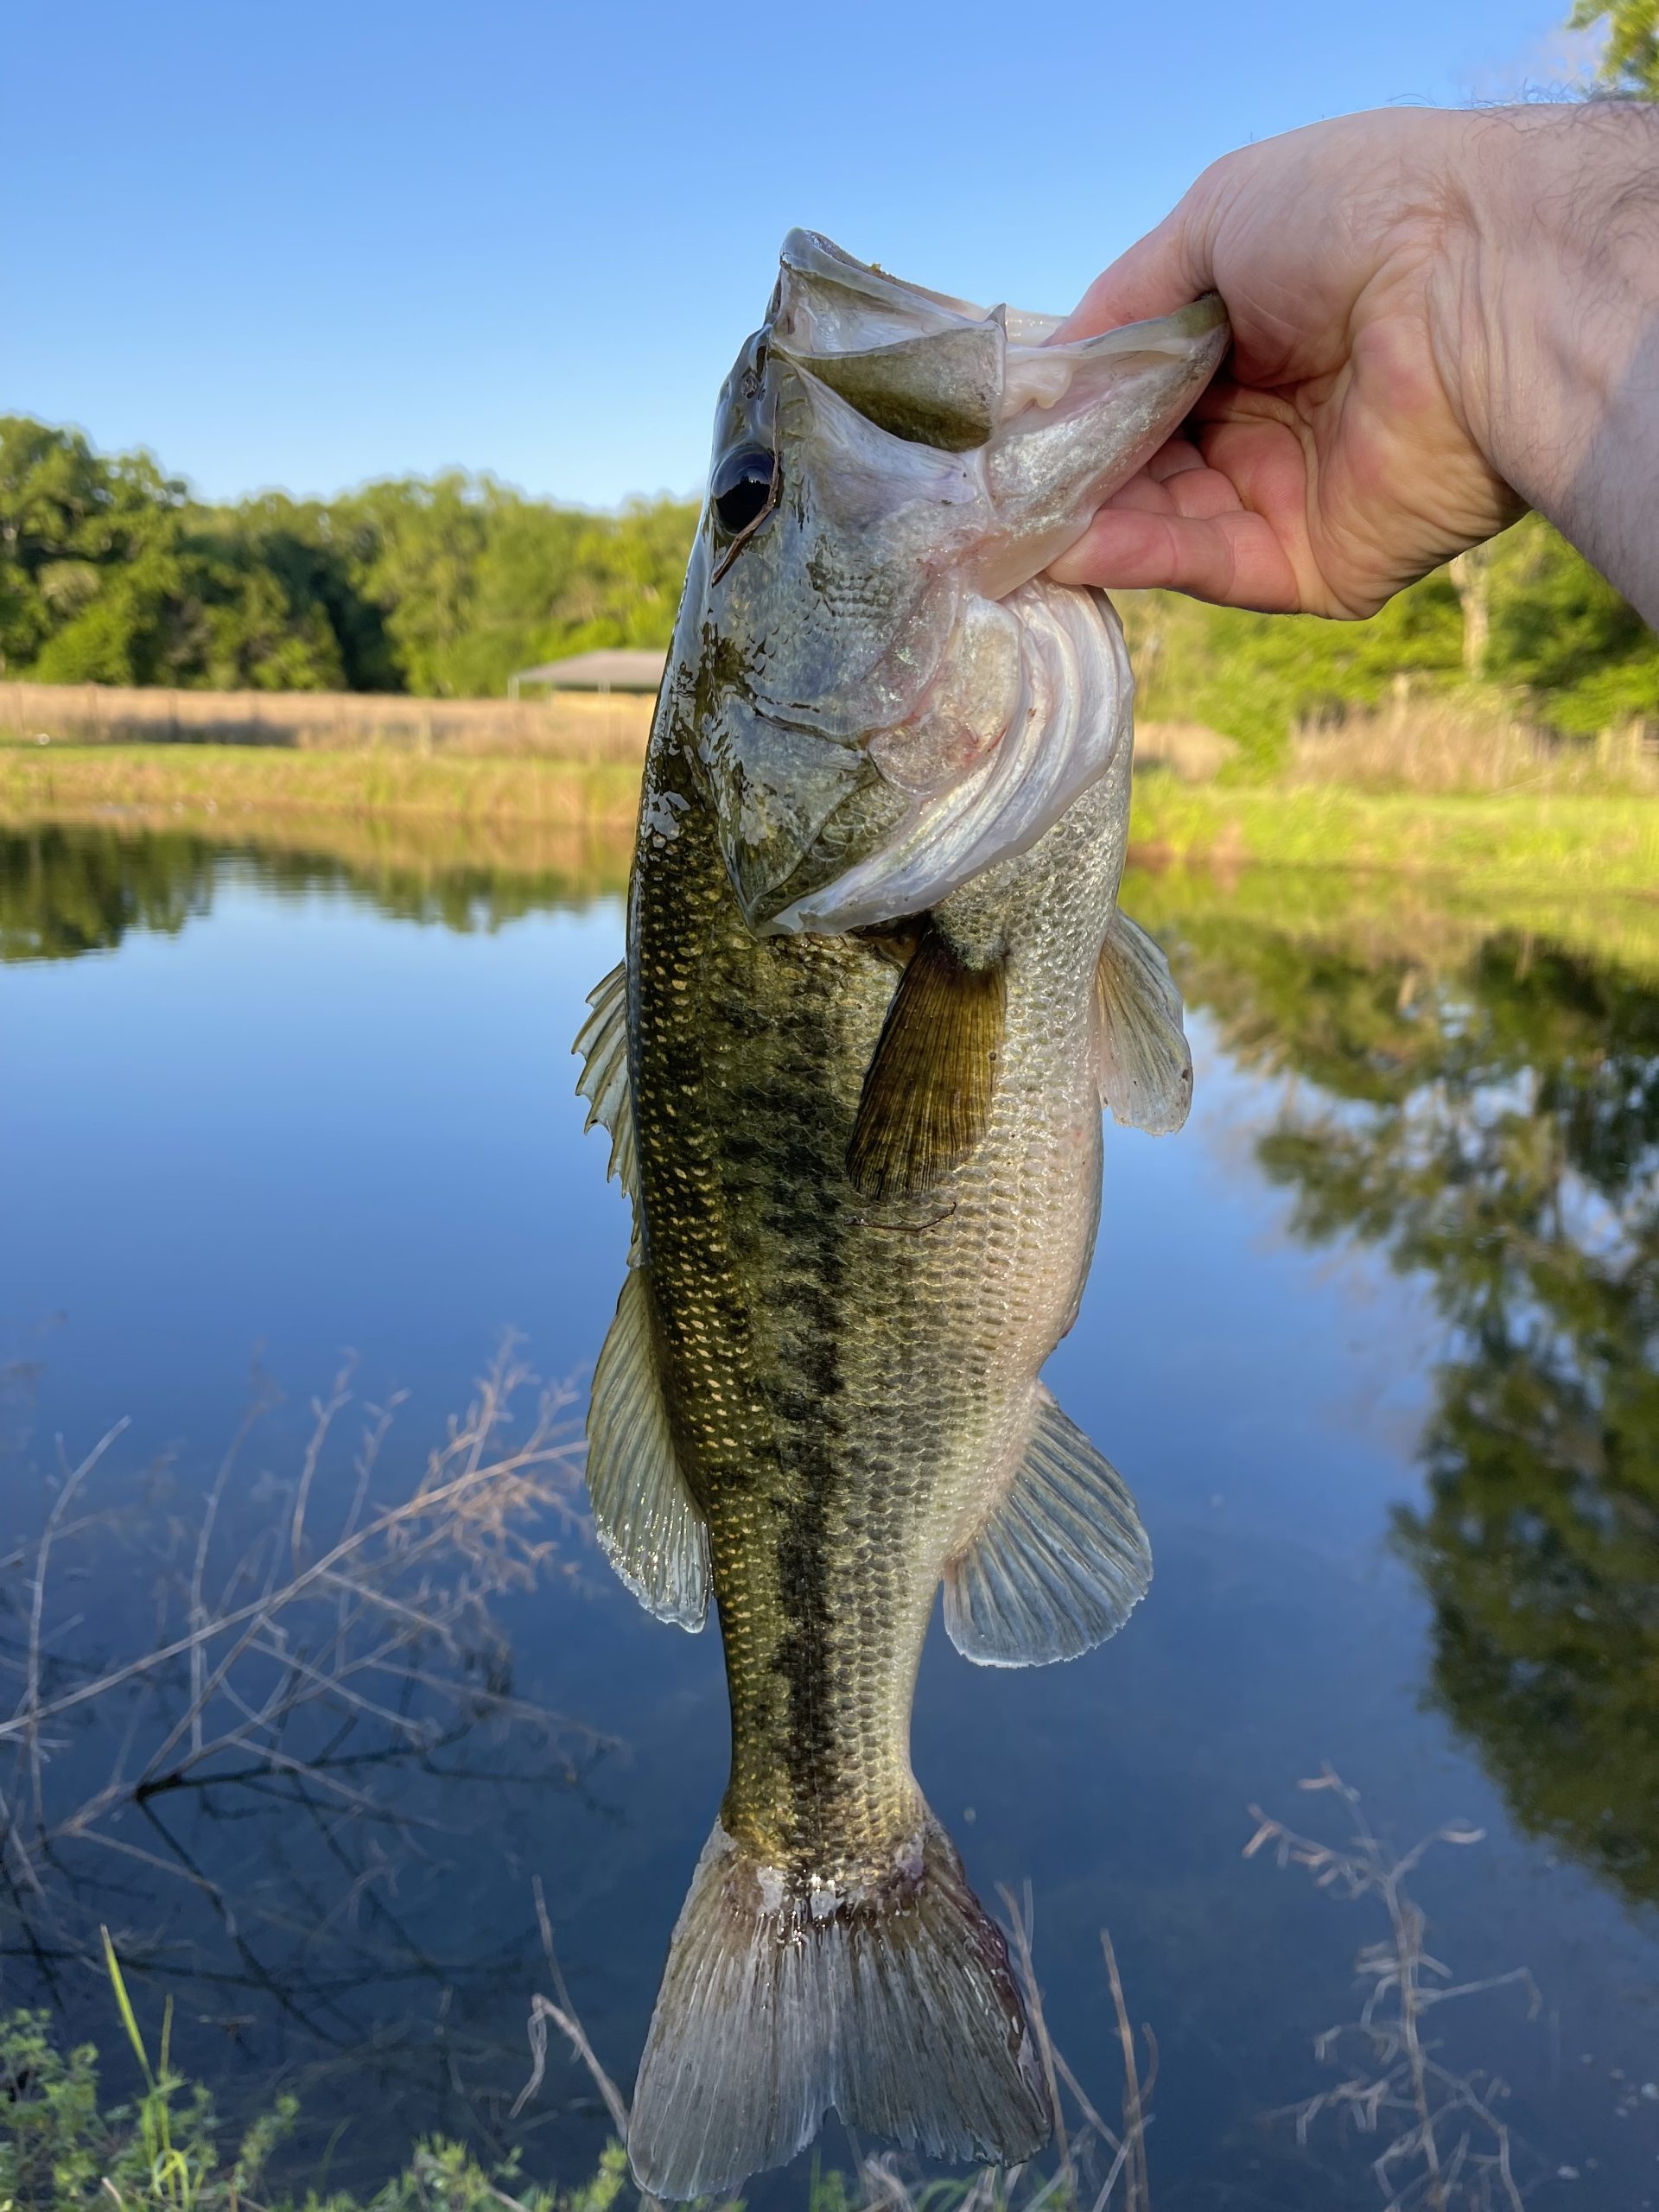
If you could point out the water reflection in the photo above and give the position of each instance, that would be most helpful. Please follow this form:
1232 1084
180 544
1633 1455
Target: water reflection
258 1763
66 890
1467 1095
1493 1124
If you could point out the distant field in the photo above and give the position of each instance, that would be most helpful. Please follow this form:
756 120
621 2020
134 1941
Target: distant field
100 782
566 726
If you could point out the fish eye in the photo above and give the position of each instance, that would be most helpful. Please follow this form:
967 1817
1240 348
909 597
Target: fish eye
745 485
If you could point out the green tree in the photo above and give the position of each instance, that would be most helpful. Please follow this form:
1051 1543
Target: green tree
1630 61
111 573
1561 633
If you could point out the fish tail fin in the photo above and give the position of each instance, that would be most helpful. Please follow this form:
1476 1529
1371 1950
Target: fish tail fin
895 2003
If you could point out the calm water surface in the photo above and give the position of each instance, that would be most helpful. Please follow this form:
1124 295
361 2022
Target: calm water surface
1373 1341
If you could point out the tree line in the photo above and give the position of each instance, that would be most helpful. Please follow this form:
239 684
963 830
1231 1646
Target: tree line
112 572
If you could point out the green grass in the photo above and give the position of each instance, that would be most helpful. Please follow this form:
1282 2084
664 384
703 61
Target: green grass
515 812
1524 842
63 2149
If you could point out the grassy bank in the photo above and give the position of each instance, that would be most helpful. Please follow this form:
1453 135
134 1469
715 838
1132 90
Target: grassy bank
1519 841
535 813
234 787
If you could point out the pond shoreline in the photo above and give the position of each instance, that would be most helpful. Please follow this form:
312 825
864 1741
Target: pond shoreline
527 811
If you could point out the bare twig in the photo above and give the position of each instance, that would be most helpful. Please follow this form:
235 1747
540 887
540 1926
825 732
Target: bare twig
1022 1924
381 1623
1448 2147
564 2016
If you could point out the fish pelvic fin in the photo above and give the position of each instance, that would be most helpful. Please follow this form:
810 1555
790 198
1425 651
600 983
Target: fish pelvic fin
1061 1562
927 1093
645 1519
1142 1061
603 1041
896 2005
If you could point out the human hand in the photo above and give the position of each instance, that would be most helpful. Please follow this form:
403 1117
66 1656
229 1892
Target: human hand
1348 446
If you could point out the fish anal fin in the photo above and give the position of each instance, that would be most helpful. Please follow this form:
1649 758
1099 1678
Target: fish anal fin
896 2005
647 1523
602 1040
927 1092
1061 1562
1143 1062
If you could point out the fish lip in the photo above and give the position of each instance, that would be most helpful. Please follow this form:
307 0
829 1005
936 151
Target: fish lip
1204 314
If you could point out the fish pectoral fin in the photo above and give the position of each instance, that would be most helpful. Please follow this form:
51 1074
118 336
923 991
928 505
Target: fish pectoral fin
927 1092
645 1517
1061 1562
1142 1061
602 1040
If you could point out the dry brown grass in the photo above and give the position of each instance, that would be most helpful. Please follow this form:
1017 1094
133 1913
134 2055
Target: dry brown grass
1192 751
570 725
1438 747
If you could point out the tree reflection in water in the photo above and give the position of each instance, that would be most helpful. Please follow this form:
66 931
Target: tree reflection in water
65 892
71 889
1493 1122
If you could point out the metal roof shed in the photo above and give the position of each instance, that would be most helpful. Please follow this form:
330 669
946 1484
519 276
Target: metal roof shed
612 669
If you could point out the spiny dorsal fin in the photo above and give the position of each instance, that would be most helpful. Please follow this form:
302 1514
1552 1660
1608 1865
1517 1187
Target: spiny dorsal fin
1142 1059
1061 1562
647 1524
927 1095
602 1040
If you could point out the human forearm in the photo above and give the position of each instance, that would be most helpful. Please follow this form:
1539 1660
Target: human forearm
1556 309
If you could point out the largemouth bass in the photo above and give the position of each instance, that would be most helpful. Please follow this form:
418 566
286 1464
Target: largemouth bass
876 991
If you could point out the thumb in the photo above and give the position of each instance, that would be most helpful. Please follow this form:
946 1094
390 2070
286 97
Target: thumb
1167 268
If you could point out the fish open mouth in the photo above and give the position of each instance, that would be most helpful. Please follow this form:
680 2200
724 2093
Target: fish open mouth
912 701
1073 715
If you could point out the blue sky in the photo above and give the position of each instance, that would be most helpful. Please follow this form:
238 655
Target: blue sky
305 246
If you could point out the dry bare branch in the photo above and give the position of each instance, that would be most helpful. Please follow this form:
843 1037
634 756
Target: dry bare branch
1446 2146
379 1620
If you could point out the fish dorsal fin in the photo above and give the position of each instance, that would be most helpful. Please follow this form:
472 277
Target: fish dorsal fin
602 1040
1142 1057
1060 1563
646 1522
927 1093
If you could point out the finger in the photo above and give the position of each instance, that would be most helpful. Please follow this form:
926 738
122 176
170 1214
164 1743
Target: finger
1182 478
1234 559
1166 270
1171 459
1202 494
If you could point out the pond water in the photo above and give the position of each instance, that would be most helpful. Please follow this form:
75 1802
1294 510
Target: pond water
1374 1342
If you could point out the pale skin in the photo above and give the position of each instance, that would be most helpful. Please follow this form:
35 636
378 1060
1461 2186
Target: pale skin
1439 320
